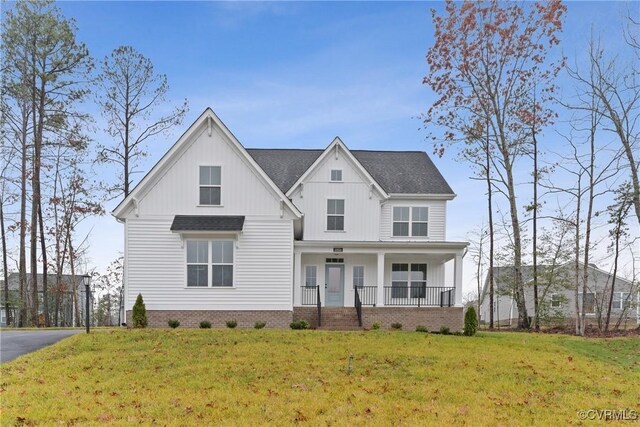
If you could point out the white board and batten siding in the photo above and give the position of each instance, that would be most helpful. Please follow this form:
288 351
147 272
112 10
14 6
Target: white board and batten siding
156 257
361 204
436 219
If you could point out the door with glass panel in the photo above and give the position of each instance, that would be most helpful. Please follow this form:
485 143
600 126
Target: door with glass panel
334 285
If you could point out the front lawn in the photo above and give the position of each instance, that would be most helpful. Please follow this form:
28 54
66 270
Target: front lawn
249 377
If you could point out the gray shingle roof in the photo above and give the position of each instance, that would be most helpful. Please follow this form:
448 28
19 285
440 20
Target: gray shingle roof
408 172
207 223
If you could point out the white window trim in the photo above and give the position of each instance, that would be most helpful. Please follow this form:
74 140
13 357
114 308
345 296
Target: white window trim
326 216
209 186
209 263
336 180
305 273
428 222
353 276
580 303
559 301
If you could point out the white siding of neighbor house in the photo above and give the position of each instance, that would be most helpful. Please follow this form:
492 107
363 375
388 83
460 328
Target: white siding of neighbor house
437 219
156 268
362 207
177 191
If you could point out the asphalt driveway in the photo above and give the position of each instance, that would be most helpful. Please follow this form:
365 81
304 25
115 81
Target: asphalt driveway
17 343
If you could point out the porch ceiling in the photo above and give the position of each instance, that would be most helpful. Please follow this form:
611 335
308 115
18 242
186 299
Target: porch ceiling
442 248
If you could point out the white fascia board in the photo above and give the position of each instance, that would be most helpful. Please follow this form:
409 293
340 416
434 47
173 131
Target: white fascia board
206 117
337 142
421 196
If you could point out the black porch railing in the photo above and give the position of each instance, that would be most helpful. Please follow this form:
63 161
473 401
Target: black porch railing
419 296
358 305
309 295
368 294
319 305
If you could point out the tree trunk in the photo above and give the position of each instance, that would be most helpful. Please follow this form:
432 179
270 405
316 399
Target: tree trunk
74 282
536 309
490 209
577 258
5 266
613 280
22 263
43 248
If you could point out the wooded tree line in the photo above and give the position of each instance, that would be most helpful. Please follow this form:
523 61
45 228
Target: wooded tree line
53 100
495 70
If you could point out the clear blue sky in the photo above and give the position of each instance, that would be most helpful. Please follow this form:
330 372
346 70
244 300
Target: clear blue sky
298 74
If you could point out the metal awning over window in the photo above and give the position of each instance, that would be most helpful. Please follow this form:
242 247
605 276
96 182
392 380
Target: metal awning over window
223 223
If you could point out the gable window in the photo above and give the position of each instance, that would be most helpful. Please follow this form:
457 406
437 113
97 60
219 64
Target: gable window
556 301
197 263
311 275
210 185
410 221
358 276
335 215
215 253
336 175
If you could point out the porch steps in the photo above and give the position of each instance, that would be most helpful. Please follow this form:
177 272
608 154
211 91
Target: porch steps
339 319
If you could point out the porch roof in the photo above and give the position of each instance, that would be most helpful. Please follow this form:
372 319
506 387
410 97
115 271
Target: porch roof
329 246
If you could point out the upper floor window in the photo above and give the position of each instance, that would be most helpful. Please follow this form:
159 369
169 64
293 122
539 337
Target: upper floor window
336 175
335 215
410 221
210 185
203 253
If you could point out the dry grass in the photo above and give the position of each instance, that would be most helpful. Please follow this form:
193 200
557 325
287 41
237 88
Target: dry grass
252 377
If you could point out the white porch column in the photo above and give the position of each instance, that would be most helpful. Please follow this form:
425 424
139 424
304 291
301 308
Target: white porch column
297 278
380 296
457 279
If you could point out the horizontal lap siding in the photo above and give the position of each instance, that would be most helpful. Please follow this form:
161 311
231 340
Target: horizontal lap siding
263 260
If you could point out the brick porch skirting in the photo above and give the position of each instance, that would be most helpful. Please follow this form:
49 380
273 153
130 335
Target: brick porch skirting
410 317
275 319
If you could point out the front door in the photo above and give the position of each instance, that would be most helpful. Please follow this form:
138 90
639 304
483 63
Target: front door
334 285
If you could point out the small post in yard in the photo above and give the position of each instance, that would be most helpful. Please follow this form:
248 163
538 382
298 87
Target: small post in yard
87 281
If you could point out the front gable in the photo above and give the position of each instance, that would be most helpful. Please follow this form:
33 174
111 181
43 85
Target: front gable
360 194
172 187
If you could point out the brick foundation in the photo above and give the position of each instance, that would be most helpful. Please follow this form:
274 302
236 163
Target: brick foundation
410 317
275 319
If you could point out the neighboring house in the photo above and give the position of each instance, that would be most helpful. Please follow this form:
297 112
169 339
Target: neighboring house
556 292
218 232
60 297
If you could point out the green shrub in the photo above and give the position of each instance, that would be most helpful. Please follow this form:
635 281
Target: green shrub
396 326
173 323
444 330
231 324
139 313
421 328
376 325
205 324
470 322
260 325
299 324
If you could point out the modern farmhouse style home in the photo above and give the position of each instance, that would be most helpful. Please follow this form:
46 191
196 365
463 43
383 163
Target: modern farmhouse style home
342 238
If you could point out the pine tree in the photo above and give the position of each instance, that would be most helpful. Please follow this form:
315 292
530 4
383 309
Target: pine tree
139 314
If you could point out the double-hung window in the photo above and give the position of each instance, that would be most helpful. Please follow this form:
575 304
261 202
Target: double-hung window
410 221
399 280
335 215
197 263
311 275
210 185
336 175
589 306
418 280
215 253
620 300
358 276
556 300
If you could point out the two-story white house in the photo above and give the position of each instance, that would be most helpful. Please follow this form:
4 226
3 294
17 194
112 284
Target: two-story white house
341 238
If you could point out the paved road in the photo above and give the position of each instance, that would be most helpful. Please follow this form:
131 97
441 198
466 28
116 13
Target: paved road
17 343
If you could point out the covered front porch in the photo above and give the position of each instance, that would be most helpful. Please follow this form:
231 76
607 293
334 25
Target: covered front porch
378 274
